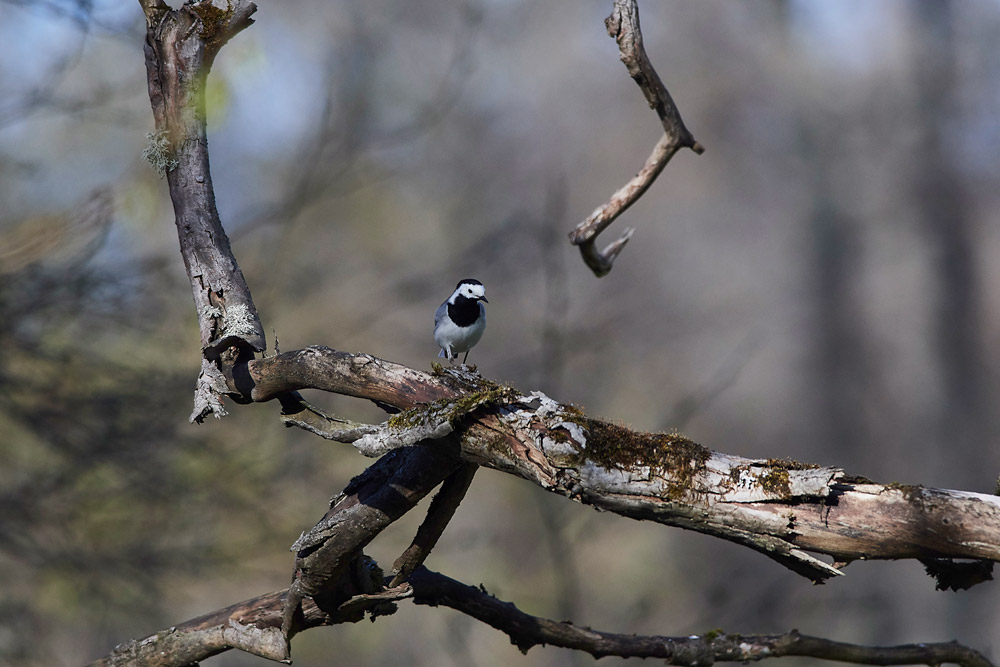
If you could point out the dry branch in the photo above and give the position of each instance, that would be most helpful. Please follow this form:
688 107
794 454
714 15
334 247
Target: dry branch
373 500
254 625
526 631
623 26
180 48
783 509
441 511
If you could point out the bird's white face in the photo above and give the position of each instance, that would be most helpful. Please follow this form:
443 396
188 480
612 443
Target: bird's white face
472 291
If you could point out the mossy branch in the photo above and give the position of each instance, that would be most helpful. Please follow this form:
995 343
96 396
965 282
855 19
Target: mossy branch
790 511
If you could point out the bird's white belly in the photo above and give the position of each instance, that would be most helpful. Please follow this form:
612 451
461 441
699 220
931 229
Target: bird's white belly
459 339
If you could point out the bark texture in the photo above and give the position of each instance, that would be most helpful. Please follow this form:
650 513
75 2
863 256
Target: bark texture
180 48
785 509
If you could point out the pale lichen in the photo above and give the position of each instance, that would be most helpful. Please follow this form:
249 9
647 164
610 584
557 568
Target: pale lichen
158 152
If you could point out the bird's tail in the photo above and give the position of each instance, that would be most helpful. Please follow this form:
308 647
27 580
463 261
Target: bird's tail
441 352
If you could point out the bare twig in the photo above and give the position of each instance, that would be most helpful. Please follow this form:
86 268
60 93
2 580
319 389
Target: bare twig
526 631
253 626
296 411
623 26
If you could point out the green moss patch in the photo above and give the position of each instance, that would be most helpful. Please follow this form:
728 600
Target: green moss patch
791 464
776 481
454 409
671 454
213 19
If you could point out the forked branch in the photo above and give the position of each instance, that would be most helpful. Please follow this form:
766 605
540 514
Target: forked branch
370 503
623 26
441 511
786 510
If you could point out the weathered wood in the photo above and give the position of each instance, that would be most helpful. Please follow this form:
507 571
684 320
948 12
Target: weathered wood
371 502
180 47
526 631
359 375
441 511
623 26
784 509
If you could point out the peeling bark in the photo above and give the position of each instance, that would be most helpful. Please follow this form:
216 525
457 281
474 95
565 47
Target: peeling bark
255 631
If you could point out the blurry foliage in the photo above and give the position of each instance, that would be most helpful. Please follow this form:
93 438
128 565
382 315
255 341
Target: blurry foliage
110 502
93 495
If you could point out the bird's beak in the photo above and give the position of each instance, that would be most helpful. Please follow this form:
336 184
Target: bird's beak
483 299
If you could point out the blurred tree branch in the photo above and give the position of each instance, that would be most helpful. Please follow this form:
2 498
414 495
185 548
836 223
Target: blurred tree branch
623 26
450 421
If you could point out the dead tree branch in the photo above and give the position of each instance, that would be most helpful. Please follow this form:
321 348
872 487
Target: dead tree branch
441 511
333 581
623 26
784 509
370 503
526 631
253 626
180 48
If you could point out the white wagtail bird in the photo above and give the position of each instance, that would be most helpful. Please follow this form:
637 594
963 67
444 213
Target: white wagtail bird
460 321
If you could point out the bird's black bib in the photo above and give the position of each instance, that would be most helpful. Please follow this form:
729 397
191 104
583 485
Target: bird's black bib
464 312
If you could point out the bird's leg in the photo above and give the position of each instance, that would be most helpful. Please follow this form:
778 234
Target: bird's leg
466 357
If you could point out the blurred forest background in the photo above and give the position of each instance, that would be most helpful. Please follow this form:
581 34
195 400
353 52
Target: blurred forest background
819 285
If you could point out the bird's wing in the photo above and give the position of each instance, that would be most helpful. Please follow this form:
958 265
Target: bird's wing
441 312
